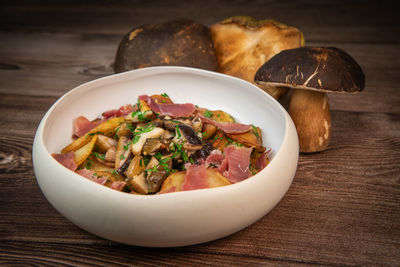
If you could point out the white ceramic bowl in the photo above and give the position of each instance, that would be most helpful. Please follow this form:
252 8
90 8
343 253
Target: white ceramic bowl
174 219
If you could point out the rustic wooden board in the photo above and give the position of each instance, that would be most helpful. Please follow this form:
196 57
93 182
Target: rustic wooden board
343 208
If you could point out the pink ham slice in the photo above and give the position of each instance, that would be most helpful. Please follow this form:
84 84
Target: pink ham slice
261 161
235 167
82 125
227 127
121 112
195 178
90 175
173 110
216 158
118 185
67 160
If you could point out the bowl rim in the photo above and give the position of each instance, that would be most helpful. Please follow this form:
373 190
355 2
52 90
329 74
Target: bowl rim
39 137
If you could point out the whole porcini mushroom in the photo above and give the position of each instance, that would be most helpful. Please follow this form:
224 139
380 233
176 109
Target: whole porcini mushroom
243 44
181 42
312 72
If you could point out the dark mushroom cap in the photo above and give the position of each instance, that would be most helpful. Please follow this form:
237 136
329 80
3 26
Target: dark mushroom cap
181 42
326 69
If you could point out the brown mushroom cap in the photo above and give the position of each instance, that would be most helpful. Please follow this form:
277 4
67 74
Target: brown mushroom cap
324 69
180 42
243 44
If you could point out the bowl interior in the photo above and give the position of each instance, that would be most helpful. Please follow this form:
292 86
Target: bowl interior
244 101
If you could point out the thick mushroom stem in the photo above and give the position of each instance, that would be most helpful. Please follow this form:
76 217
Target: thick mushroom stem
310 113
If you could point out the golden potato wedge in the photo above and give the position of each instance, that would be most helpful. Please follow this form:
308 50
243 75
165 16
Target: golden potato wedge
219 141
215 178
98 167
216 115
111 177
159 99
251 138
143 106
82 153
173 182
221 116
208 131
106 128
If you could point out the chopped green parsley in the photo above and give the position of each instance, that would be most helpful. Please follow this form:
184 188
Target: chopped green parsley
208 114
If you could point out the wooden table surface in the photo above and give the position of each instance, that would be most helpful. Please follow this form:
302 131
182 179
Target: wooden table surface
343 208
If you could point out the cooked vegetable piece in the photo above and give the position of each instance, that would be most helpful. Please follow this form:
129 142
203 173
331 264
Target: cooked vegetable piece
171 124
104 143
124 129
152 163
123 151
153 145
155 179
252 138
135 167
157 174
106 128
101 159
111 177
110 154
201 154
255 156
189 134
82 153
219 141
173 182
168 135
197 124
146 155
98 167
144 113
142 135
209 131
162 99
215 178
221 116
139 184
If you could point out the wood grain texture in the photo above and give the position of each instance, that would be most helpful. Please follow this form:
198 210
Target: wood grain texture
343 208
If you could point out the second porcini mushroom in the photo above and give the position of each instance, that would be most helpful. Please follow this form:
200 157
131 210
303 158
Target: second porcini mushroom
312 72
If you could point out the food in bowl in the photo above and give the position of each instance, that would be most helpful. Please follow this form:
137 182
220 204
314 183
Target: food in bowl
158 146
176 219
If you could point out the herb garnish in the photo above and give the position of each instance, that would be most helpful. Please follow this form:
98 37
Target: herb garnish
126 146
130 127
140 130
116 133
92 134
99 156
164 95
208 114
88 164
255 131
178 132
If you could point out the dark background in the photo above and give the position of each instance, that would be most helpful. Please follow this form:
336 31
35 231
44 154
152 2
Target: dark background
343 208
